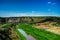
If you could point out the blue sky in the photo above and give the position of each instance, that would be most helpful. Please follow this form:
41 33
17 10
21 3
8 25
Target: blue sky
29 8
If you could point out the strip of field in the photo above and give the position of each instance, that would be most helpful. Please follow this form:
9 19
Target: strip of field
39 34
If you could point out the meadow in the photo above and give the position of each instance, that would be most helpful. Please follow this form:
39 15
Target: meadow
39 34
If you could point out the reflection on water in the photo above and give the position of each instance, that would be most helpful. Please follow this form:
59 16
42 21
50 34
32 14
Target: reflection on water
22 32
28 37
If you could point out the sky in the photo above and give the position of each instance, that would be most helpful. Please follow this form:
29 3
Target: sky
11 8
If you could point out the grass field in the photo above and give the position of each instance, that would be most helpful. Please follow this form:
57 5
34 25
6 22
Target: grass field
39 34
21 37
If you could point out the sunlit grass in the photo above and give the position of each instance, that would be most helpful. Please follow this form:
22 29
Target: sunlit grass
39 34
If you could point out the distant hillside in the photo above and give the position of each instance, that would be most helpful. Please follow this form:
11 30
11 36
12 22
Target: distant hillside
28 19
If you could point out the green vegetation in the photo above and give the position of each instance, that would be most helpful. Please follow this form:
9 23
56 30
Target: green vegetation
21 37
4 32
7 29
39 34
57 24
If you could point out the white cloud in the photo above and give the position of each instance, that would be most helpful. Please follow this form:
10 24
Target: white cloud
49 2
52 3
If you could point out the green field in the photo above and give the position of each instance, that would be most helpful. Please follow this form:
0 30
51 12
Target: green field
21 37
38 34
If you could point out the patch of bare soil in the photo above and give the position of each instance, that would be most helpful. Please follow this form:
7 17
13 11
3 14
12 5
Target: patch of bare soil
49 27
54 30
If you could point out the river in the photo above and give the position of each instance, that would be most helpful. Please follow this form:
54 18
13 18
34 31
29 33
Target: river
28 37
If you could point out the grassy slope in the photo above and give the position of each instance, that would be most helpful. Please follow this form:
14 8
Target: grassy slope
4 29
39 34
21 37
7 26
